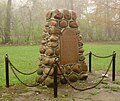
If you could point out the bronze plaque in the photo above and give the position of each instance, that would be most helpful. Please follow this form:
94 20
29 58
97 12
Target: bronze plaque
69 47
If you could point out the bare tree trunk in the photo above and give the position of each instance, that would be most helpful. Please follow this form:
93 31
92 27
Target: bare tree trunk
108 30
7 22
2 34
71 4
30 26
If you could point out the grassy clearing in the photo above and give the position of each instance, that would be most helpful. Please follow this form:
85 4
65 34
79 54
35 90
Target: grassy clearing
103 50
25 59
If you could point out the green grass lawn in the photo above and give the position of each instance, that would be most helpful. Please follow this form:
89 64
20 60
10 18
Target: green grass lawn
103 50
25 59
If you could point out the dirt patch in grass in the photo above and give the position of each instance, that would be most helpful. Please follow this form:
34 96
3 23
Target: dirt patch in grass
106 91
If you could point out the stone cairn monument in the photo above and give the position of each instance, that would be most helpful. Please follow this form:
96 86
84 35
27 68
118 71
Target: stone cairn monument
61 40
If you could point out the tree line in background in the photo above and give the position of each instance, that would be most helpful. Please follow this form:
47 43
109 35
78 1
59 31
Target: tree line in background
23 22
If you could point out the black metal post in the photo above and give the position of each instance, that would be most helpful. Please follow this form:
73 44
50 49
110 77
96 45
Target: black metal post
113 67
55 80
7 70
90 56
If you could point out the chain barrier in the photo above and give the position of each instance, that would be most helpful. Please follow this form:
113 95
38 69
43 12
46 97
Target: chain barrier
103 56
56 66
86 54
20 71
32 85
13 68
87 87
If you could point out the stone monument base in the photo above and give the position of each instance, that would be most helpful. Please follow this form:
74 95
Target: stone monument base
61 40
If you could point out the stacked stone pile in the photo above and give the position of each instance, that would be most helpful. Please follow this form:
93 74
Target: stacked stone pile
57 21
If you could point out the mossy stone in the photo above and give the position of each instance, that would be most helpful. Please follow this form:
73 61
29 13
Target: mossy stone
63 80
49 82
40 79
73 77
40 71
67 70
83 77
46 71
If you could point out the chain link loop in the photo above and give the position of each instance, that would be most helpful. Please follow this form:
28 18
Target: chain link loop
87 88
56 63
20 71
32 85
103 56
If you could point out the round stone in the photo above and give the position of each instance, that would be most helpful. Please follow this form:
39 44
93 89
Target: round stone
63 23
77 32
80 37
39 79
47 24
49 82
53 38
53 23
40 71
54 30
67 14
74 16
80 43
57 14
51 30
82 57
39 63
52 44
44 35
83 76
48 15
49 52
43 41
57 51
42 50
46 71
63 80
84 67
51 61
73 24
76 68
46 30
73 77
57 31
60 71
68 69
81 50
45 61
